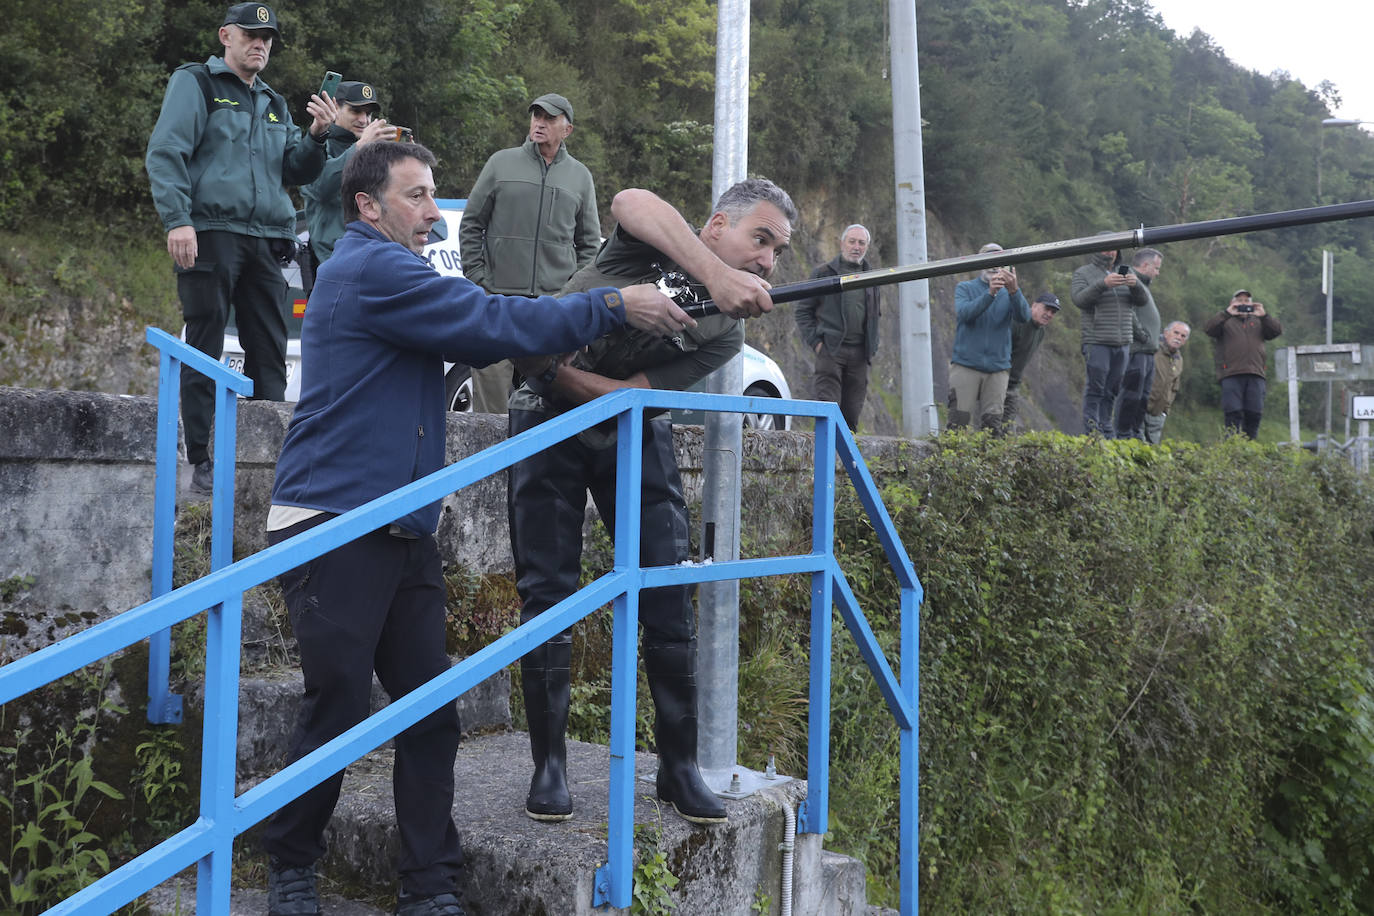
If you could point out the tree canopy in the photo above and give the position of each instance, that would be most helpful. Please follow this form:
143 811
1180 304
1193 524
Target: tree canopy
1044 119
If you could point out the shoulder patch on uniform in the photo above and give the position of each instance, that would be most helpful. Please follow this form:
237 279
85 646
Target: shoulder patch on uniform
613 300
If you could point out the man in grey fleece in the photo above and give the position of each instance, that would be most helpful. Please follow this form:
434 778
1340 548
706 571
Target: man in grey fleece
1107 295
530 224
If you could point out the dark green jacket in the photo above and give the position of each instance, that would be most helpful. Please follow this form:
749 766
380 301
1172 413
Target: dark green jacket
1145 322
324 196
529 225
1106 310
821 318
223 163
1025 340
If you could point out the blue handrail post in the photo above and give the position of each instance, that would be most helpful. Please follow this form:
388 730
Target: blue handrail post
909 784
223 631
163 708
814 815
615 880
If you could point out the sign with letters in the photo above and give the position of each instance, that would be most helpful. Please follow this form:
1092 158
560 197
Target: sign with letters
1362 407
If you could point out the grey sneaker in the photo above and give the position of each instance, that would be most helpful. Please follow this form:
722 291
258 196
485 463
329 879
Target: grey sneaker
203 478
291 891
438 905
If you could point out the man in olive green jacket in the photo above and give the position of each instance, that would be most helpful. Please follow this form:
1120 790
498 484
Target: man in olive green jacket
529 225
223 148
1167 380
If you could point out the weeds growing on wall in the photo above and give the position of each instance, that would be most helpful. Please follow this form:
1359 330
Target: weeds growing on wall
49 793
1145 683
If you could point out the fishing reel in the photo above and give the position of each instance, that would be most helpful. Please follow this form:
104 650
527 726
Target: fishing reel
686 293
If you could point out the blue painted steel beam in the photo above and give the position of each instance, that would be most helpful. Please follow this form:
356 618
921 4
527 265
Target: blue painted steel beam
867 491
210 841
614 882
871 651
815 813
267 796
162 709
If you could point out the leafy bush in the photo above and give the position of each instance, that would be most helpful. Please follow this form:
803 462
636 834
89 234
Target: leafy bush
1145 680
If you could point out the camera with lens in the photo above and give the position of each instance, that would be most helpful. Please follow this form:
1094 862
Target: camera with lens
1245 309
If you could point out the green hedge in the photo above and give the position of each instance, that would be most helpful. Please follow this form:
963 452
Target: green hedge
1145 682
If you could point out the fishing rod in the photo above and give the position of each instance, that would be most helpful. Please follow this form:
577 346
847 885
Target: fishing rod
1107 241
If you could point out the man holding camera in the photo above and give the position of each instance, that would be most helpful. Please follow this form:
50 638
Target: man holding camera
1140 367
984 309
1238 334
218 159
356 124
1108 294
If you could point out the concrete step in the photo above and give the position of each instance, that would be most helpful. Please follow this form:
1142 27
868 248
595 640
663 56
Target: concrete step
178 898
520 867
270 700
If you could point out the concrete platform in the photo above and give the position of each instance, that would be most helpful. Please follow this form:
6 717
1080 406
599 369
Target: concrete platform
520 867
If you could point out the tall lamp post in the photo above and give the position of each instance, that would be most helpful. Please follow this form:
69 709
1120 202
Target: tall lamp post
1328 260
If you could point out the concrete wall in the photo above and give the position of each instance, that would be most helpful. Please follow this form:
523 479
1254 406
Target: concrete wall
76 500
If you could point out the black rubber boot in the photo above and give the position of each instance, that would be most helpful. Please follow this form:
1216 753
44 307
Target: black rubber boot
671 669
544 679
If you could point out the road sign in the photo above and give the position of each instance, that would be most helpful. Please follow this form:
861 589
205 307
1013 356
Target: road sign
1362 407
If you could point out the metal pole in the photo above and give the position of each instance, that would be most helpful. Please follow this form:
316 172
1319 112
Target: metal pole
1048 251
1328 287
1293 432
718 602
919 416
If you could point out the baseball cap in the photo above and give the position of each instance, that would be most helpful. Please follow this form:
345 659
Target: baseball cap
253 16
1049 299
358 94
1240 292
554 104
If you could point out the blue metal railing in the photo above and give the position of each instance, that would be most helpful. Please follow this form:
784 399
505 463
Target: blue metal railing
163 706
224 816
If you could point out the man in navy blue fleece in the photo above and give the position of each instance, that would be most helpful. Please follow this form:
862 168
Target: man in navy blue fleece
378 328
984 309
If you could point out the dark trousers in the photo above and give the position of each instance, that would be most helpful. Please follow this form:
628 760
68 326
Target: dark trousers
1135 394
842 377
1242 403
1105 368
242 271
547 501
375 604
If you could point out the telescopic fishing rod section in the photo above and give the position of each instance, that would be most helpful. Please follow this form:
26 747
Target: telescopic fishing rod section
1107 241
